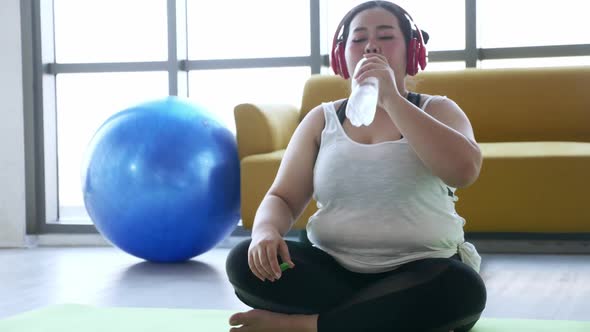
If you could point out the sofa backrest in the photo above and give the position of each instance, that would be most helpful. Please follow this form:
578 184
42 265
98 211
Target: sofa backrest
515 105
323 88
503 105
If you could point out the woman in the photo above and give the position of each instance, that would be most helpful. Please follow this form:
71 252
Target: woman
388 249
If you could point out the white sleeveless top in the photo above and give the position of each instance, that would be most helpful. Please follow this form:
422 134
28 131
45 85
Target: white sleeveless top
379 206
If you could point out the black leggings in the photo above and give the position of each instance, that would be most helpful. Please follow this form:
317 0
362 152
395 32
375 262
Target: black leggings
434 294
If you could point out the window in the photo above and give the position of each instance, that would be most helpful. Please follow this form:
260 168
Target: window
443 20
110 30
248 29
221 90
111 55
509 23
101 57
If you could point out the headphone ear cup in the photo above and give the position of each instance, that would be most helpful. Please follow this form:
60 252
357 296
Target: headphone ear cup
339 61
342 61
413 53
334 60
422 57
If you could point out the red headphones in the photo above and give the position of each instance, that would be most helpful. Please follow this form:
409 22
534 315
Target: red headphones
416 47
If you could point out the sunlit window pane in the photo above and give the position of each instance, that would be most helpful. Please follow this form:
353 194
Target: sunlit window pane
84 102
248 29
221 90
110 30
510 23
536 62
445 65
443 20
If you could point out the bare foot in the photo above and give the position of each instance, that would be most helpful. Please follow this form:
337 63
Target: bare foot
257 320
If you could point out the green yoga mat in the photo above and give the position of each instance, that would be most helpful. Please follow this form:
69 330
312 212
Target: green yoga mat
80 318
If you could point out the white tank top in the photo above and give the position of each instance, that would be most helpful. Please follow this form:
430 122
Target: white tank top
379 206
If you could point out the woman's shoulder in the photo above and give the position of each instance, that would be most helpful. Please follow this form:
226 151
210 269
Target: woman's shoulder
431 103
447 111
318 111
315 120
427 98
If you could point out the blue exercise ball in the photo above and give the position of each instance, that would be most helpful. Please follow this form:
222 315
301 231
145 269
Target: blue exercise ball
161 180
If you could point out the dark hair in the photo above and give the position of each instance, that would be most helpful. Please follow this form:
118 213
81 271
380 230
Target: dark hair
404 21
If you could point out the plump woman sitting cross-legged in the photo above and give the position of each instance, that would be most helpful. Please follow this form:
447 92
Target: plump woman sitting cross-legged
388 250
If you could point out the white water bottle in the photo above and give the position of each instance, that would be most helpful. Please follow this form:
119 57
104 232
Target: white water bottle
362 103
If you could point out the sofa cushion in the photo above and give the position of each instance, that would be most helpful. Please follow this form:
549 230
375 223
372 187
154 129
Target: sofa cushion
532 187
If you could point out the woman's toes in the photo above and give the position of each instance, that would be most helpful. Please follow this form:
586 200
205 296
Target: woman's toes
243 318
236 319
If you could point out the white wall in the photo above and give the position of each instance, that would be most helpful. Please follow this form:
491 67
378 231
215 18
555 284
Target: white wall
12 155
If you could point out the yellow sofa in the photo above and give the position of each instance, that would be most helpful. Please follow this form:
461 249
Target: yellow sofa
533 126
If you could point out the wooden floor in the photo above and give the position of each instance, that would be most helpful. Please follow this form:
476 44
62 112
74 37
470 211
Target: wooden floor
519 286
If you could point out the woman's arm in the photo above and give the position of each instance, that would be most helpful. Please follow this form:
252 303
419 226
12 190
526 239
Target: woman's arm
292 188
441 136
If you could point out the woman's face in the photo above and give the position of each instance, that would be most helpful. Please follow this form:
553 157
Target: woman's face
376 30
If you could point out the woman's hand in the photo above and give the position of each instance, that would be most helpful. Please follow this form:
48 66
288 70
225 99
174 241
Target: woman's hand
376 65
266 244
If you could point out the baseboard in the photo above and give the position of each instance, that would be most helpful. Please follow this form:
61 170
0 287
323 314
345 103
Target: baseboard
70 240
13 244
